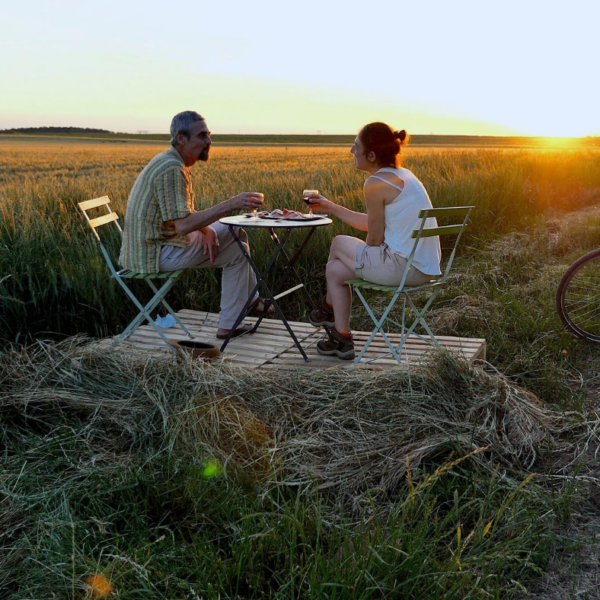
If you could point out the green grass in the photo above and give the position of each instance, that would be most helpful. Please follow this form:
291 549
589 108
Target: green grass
104 471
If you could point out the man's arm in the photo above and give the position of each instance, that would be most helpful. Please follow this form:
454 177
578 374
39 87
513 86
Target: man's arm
198 220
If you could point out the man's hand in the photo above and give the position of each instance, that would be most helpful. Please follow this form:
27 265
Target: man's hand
246 201
210 243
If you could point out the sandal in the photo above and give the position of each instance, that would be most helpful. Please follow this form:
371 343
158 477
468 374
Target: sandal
255 311
239 331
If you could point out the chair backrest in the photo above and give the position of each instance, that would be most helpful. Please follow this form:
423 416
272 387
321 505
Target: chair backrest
96 222
459 215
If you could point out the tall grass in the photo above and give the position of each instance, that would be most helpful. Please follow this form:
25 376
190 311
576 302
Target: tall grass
54 279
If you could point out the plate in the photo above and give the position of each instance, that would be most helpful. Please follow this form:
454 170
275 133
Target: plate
306 218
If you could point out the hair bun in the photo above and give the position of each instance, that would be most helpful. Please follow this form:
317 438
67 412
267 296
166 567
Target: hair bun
401 135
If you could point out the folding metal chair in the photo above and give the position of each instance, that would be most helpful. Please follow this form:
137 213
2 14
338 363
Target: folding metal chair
121 276
460 216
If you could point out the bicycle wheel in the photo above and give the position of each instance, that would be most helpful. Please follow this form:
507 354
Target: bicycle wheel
578 297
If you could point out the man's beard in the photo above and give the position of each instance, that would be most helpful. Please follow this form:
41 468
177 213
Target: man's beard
204 154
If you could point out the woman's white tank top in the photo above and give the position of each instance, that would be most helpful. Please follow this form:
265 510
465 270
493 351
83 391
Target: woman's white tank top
402 217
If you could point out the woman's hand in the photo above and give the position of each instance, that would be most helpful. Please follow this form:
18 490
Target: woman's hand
318 203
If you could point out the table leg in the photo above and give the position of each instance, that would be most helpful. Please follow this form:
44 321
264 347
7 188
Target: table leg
292 261
260 282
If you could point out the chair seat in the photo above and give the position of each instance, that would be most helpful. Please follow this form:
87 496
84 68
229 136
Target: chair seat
367 285
126 274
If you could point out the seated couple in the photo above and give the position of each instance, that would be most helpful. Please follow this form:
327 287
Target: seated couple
163 232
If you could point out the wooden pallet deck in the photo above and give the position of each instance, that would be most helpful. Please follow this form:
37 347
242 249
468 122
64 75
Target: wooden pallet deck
272 347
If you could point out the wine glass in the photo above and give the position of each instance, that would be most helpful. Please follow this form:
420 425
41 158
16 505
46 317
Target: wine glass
254 210
305 195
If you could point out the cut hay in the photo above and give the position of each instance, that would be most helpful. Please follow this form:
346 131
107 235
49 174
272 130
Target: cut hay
349 432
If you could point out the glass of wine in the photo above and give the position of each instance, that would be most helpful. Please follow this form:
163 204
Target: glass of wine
254 210
305 195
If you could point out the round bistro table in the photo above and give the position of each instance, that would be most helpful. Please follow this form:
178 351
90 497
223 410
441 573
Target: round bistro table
285 228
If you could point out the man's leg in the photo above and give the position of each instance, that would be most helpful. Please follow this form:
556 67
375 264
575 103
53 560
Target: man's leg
238 277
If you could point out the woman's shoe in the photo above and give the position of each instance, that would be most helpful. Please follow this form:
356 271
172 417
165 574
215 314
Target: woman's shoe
337 345
322 316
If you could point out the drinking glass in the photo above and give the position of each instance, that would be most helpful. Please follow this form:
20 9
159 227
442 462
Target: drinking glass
305 195
254 210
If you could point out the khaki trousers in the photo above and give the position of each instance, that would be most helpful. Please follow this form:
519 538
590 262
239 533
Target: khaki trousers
238 277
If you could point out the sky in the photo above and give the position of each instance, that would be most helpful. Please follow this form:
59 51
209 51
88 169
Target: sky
515 67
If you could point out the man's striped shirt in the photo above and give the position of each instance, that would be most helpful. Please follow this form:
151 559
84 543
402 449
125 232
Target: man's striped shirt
161 193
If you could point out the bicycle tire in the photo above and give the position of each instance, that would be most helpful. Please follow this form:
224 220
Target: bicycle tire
578 297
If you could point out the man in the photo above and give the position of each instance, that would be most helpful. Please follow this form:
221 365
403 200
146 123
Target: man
163 232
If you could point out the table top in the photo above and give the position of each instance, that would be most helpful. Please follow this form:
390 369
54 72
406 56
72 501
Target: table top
244 221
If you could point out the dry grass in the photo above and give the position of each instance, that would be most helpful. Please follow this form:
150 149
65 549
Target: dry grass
348 432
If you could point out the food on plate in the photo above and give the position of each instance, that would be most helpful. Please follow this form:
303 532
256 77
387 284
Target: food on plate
281 214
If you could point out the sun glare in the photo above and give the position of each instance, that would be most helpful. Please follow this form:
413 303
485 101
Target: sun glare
559 142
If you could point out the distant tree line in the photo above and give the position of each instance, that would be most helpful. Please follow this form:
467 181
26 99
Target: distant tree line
54 130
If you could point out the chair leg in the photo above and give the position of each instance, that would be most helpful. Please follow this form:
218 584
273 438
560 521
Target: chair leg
169 309
378 327
145 312
419 319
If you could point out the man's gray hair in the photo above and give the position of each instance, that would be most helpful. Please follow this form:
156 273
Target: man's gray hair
182 122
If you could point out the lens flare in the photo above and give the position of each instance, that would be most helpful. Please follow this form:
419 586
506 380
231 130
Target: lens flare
99 586
211 469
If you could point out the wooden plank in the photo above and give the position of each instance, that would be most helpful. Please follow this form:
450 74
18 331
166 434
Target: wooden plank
103 219
258 339
88 204
414 339
272 323
414 342
238 345
271 347
159 348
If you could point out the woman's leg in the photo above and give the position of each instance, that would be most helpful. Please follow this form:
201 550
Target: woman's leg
340 268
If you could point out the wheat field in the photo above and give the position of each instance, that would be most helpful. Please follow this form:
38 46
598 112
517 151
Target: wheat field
54 279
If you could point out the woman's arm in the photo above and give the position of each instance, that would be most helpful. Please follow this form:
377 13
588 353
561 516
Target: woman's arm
355 219
373 221
375 201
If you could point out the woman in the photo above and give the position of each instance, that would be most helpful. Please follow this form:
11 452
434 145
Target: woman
393 197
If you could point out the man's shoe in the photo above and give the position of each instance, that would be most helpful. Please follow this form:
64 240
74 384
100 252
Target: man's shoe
239 331
322 316
337 345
